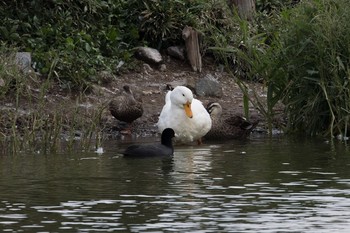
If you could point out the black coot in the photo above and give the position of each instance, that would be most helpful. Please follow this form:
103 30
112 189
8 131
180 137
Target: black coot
165 148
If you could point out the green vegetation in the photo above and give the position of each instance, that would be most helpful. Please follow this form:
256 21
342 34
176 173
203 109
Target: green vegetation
302 55
306 66
313 51
299 51
77 39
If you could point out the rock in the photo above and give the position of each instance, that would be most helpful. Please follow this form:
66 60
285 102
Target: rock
189 83
173 84
162 67
177 52
24 61
149 55
208 86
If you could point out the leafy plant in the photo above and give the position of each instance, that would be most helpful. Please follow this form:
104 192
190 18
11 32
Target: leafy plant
160 21
80 37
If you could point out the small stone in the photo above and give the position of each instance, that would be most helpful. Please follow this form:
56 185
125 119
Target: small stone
162 67
208 86
149 55
177 52
24 61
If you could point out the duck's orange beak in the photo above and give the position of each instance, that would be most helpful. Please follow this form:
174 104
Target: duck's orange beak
188 110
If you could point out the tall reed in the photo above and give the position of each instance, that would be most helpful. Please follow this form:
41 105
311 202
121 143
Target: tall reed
302 56
312 55
32 118
244 55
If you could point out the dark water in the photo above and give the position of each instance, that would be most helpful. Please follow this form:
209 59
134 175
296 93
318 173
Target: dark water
263 185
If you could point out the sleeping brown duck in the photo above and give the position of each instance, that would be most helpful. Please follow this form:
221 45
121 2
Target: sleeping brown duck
126 108
232 127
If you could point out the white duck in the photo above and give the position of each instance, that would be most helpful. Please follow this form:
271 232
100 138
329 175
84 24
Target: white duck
185 114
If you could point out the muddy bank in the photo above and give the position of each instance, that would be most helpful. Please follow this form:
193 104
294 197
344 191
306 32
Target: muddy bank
150 84
47 109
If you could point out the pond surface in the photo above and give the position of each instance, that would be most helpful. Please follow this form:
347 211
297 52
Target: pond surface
261 185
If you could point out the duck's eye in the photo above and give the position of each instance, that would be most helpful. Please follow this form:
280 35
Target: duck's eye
183 95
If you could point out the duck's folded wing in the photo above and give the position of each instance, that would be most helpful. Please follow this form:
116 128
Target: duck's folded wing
240 122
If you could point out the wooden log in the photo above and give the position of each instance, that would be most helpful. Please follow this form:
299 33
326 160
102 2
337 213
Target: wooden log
192 48
245 8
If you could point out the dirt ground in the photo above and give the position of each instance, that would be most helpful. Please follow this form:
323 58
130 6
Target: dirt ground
150 83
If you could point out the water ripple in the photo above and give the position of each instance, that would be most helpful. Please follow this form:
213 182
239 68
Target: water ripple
212 189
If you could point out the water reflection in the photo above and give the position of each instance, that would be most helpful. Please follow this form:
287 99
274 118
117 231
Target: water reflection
262 185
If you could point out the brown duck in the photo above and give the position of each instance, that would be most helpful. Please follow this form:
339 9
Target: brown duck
126 108
232 127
